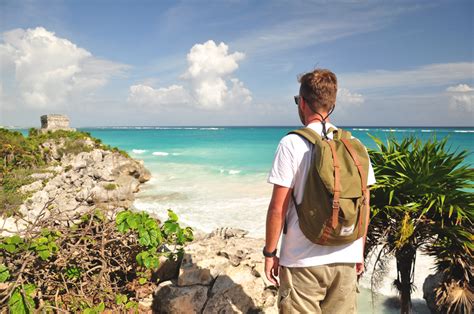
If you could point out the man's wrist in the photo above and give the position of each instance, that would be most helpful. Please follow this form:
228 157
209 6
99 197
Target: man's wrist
269 254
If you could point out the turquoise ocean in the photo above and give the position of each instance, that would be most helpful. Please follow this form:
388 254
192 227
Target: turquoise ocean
217 176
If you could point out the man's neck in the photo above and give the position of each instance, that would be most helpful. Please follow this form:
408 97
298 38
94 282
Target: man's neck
315 118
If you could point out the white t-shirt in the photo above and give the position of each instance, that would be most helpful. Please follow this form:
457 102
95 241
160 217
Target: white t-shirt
290 169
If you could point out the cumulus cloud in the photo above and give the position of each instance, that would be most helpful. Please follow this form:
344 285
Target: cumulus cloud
208 83
345 96
462 97
461 88
148 96
45 71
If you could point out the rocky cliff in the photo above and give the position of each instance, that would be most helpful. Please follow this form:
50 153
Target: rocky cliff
77 182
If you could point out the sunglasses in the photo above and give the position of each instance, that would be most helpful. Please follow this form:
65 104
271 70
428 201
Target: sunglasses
297 99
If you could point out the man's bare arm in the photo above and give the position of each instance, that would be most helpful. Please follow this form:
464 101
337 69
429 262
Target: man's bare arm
275 221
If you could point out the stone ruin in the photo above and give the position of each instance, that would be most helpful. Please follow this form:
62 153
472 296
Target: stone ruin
53 122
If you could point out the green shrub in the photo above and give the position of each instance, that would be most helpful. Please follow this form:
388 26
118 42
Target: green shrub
110 186
96 264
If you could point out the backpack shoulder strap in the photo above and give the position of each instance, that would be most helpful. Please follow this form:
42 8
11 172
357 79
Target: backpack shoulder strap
308 134
344 134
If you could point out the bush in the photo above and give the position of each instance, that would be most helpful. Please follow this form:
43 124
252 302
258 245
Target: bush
110 186
98 263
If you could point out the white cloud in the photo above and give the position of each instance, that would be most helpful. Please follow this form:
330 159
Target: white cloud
461 88
148 96
208 82
462 97
465 102
428 75
210 65
345 96
45 71
211 60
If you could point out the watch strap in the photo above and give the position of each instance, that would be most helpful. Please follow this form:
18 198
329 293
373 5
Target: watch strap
269 254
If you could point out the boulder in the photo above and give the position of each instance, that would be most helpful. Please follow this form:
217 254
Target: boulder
169 298
230 267
429 294
35 186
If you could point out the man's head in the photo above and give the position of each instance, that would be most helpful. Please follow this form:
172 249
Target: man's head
319 89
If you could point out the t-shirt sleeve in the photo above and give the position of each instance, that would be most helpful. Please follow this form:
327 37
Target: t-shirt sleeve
283 169
371 176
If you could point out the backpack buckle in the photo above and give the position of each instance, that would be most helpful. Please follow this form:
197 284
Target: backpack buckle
335 204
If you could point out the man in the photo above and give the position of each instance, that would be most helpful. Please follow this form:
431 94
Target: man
313 278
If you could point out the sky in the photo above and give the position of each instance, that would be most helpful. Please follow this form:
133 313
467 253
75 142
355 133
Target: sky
234 63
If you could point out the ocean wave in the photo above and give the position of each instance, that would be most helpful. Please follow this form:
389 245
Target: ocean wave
398 130
231 171
139 151
176 154
355 129
426 131
160 154
464 131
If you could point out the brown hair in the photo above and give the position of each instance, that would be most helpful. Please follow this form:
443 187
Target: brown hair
319 89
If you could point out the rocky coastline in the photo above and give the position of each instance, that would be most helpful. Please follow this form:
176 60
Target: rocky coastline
75 183
220 272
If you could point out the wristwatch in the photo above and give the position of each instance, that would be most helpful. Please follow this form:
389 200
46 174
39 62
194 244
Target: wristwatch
269 254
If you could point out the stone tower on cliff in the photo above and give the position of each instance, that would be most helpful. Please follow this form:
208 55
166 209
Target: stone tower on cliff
53 122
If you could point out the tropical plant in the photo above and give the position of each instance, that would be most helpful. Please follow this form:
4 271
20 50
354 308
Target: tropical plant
423 201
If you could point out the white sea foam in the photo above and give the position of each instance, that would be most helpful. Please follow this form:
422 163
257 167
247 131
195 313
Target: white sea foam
231 171
356 129
160 154
176 154
464 131
399 130
426 131
139 151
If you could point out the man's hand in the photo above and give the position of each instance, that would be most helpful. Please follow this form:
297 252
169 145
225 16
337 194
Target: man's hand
272 265
359 268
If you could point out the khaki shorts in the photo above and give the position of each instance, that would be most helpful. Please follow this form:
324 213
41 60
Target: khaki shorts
322 289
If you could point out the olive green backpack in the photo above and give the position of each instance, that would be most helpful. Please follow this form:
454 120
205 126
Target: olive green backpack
334 210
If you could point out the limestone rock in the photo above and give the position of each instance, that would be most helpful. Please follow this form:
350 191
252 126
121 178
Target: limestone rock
88 179
35 186
42 176
169 298
230 267
226 233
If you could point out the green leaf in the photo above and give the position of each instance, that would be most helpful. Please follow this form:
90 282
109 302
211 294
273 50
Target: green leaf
121 217
16 240
142 281
130 305
120 299
170 227
172 216
101 307
133 221
10 248
123 227
4 273
22 303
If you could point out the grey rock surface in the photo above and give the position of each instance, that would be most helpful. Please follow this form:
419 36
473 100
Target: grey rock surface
231 270
96 178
